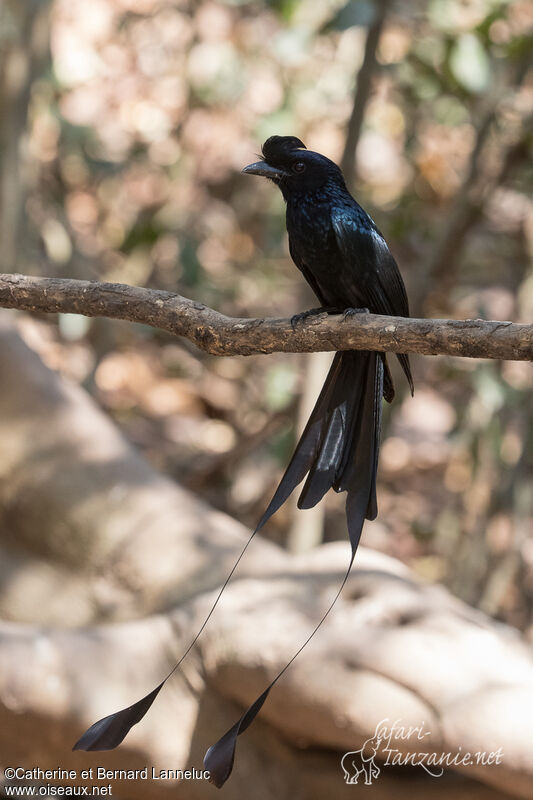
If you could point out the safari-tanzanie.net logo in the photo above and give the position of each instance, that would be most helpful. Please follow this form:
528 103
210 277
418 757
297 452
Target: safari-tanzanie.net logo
389 740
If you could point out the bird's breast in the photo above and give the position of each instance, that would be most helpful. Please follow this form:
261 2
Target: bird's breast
311 233
314 248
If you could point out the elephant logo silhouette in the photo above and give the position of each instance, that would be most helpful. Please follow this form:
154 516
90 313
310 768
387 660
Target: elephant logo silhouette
361 762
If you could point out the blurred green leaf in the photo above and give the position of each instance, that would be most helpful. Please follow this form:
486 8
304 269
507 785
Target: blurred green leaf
279 386
279 122
144 232
430 50
520 47
496 13
191 267
281 445
490 388
285 8
291 45
439 14
73 326
450 111
470 64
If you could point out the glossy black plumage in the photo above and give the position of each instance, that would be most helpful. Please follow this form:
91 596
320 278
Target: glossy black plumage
345 259
347 263
332 240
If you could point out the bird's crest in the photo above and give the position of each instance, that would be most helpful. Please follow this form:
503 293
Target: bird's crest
279 146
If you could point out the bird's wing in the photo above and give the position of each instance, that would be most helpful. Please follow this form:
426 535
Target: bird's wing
370 263
368 269
306 272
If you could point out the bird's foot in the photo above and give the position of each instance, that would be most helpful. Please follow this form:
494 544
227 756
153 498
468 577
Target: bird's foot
351 312
303 315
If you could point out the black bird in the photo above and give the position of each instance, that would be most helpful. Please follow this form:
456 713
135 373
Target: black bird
345 259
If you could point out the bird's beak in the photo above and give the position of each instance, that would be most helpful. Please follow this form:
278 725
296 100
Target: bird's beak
265 170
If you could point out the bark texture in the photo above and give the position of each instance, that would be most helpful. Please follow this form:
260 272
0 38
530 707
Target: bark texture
226 336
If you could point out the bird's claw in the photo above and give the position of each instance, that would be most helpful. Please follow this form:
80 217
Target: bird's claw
351 312
303 315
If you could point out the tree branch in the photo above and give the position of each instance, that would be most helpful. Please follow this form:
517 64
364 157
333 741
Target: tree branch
227 336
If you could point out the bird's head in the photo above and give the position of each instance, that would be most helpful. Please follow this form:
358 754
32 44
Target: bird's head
296 170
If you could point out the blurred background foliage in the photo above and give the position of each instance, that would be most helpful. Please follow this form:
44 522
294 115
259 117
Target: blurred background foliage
125 124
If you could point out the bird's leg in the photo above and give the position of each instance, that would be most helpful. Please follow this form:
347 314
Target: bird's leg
312 312
351 312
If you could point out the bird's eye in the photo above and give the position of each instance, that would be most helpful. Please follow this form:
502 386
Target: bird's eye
298 166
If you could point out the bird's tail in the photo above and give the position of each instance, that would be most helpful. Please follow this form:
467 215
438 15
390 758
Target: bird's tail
338 449
339 446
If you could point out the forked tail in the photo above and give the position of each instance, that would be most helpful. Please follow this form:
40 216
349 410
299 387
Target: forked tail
338 449
340 444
